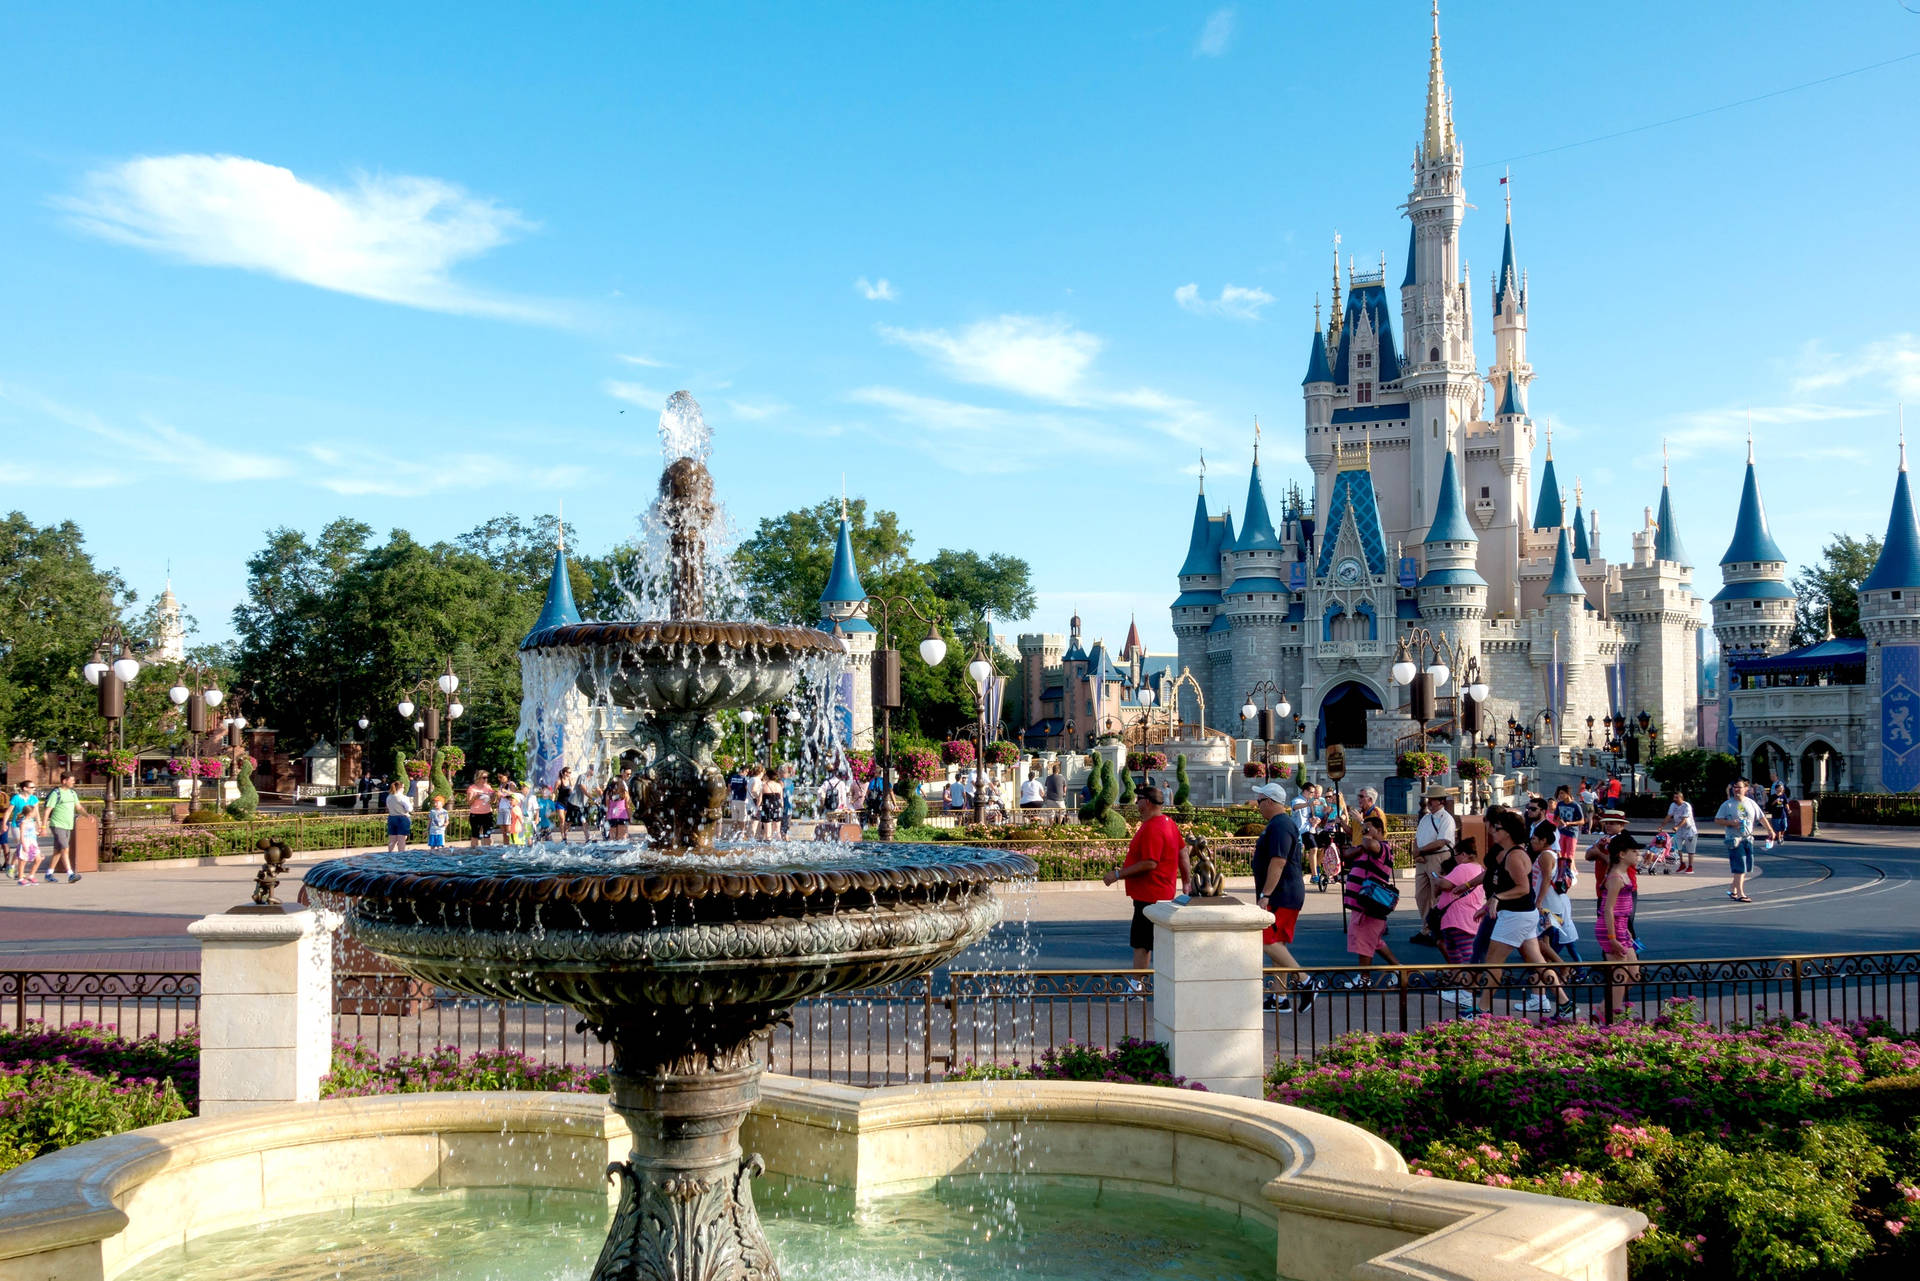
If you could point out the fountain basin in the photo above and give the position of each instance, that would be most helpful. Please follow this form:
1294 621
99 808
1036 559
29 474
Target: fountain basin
1338 1198
686 665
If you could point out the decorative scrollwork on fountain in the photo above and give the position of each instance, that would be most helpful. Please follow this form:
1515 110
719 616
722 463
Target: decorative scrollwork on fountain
686 1228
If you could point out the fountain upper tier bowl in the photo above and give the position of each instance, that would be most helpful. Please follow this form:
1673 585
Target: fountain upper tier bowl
687 665
605 928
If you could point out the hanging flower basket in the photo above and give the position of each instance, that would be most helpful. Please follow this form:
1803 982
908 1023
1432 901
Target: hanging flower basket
1422 764
1474 768
1254 769
1146 760
120 761
863 766
180 766
1003 753
418 769
207 767
915 764
957 751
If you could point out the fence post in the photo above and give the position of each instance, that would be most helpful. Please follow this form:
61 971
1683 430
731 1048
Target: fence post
1206 992
503 1027
1400 981
266 1008
1799 1009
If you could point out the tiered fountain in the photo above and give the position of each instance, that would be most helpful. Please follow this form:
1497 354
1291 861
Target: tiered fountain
682 953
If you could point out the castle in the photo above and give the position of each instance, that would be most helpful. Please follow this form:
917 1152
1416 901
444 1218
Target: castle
1425 518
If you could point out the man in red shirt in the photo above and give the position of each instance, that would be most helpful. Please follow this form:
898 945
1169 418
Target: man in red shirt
1156 863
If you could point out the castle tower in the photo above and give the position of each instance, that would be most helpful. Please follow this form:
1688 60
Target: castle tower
1198 604
1566 612
1452 594
1655 598
843 604
169 633
1257 598
1438 375
1510 316
1890 617
1753 612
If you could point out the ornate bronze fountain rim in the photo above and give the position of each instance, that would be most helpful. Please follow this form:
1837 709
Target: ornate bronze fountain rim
673 632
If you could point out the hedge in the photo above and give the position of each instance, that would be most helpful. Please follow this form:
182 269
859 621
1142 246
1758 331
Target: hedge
302 834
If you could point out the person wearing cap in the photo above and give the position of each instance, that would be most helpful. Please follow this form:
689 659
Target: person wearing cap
1740 815
1612 824
1617 945
1279 886
1156 863
1433 840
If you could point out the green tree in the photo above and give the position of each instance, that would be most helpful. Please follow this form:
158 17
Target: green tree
974 584
54 605
1833 583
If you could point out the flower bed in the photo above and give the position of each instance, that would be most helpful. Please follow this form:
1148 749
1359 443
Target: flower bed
302 834
1777 1151
358 1071
66 1086
1132 1062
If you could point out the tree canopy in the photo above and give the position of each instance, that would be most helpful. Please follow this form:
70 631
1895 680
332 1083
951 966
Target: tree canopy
1833 583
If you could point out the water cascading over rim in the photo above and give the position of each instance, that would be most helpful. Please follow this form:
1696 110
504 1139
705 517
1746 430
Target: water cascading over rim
683 954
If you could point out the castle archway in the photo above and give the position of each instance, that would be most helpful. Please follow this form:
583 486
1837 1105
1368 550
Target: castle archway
1343 715
1822 769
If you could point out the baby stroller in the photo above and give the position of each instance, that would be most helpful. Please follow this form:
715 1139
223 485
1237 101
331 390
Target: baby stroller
1329 873
1661 857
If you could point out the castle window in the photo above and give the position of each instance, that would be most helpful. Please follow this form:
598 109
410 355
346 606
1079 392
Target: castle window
1433 354
1486 492
1363 394
1364 359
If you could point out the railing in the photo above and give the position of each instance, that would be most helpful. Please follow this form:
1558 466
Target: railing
929 1028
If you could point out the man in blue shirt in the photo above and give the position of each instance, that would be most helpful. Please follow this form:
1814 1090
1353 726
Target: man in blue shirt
1279 885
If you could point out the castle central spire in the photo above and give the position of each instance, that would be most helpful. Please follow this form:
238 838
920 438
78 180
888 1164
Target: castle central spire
1439 135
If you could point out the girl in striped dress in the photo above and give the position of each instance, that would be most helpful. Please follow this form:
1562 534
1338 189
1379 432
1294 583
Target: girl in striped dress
1617 948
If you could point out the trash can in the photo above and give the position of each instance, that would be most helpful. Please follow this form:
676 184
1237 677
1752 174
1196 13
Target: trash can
1801 818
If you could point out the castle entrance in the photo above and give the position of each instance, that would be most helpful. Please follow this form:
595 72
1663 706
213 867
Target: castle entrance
1343 715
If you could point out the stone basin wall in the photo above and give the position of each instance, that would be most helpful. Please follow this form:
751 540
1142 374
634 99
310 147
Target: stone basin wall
1341 1200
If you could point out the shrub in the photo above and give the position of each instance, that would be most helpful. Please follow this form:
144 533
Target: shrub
247 803
1182 788
64 1086
915 812
1473 768
1132 1062
207 816
1701 774
1111 824
1126 787
358 1071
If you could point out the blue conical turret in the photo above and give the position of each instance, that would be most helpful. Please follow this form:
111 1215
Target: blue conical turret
1752 541
1547 511
1256 527
1511 400
1566 579
1581 551
559 609
1450 523
1202 557
1666 538
843 584
1318 368
1411 274
1899 563
1509 274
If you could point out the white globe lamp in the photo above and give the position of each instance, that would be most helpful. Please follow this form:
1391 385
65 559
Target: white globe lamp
406 707
1404 671
126 668
214 697
179 694
933 651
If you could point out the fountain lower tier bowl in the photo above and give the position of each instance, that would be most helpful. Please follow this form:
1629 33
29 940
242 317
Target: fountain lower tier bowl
609 931
686 665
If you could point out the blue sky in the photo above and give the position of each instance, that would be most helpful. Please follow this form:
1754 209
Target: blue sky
1009 268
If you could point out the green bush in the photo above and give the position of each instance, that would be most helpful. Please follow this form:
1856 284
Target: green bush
1896 810
1701 774
915 813
1182 788
247 803
1114 826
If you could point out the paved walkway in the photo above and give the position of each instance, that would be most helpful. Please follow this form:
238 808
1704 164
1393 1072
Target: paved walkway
1851 890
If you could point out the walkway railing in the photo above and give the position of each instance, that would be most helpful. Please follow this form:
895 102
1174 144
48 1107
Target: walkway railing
927 1029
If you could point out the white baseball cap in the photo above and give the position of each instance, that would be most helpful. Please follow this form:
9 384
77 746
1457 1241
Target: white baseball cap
1271 791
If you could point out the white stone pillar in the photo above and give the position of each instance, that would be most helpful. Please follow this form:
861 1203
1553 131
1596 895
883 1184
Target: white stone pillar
1206 992
266 1008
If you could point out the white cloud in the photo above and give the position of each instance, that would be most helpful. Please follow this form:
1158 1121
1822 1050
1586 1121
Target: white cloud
880 290
1216 37
636 394
155 444
1890 362
364 472
981 440
645 362
1045 358
753 413
1235 301
394 239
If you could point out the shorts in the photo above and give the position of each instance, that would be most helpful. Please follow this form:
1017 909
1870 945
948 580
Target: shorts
769 811
399 825
1140 933
1284 921
1740 856
1568 840
1457 945
436 840
479 825
1684 842
62 839
737 811
1365 933
1515 928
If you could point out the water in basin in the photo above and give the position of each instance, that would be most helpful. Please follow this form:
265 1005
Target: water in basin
976 1230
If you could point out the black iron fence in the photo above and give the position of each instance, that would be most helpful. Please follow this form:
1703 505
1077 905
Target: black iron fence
930 1028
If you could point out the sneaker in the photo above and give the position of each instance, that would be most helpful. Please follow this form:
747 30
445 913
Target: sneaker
72 877
1565 1011
1469 1010
1535 1004
1454 996
1424 939
1274 1002
1356 982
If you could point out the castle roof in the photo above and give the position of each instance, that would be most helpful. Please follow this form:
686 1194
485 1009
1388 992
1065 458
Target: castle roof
1196 598
1100 666
1409 280
1318 371
1368 298
559 609
1513 400
1132 645
1547 511
1352 502
1450 523
1581 551
1221 623
1565 580
1755 589
1256 533
843 584
1202 556
1899 563
1666 538
1508 272
1751 538
1257 584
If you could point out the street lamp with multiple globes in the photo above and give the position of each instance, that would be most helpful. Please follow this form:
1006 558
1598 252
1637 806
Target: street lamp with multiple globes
439 692
1425 663
980 669
886 688
112 669
196 699
1267 716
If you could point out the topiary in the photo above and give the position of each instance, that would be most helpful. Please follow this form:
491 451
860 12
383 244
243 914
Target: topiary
1182 787
915 814
1114 826
1109 791
1126 787
247 803
438 784
399 763
208 815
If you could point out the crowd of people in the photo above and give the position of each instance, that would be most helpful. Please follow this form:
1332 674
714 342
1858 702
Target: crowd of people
1478 907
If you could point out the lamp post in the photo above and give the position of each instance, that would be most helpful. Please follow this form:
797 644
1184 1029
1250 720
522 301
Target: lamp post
438 692
1422 664
196 698
886 688
980 668
1473 697
1266 715
112 669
